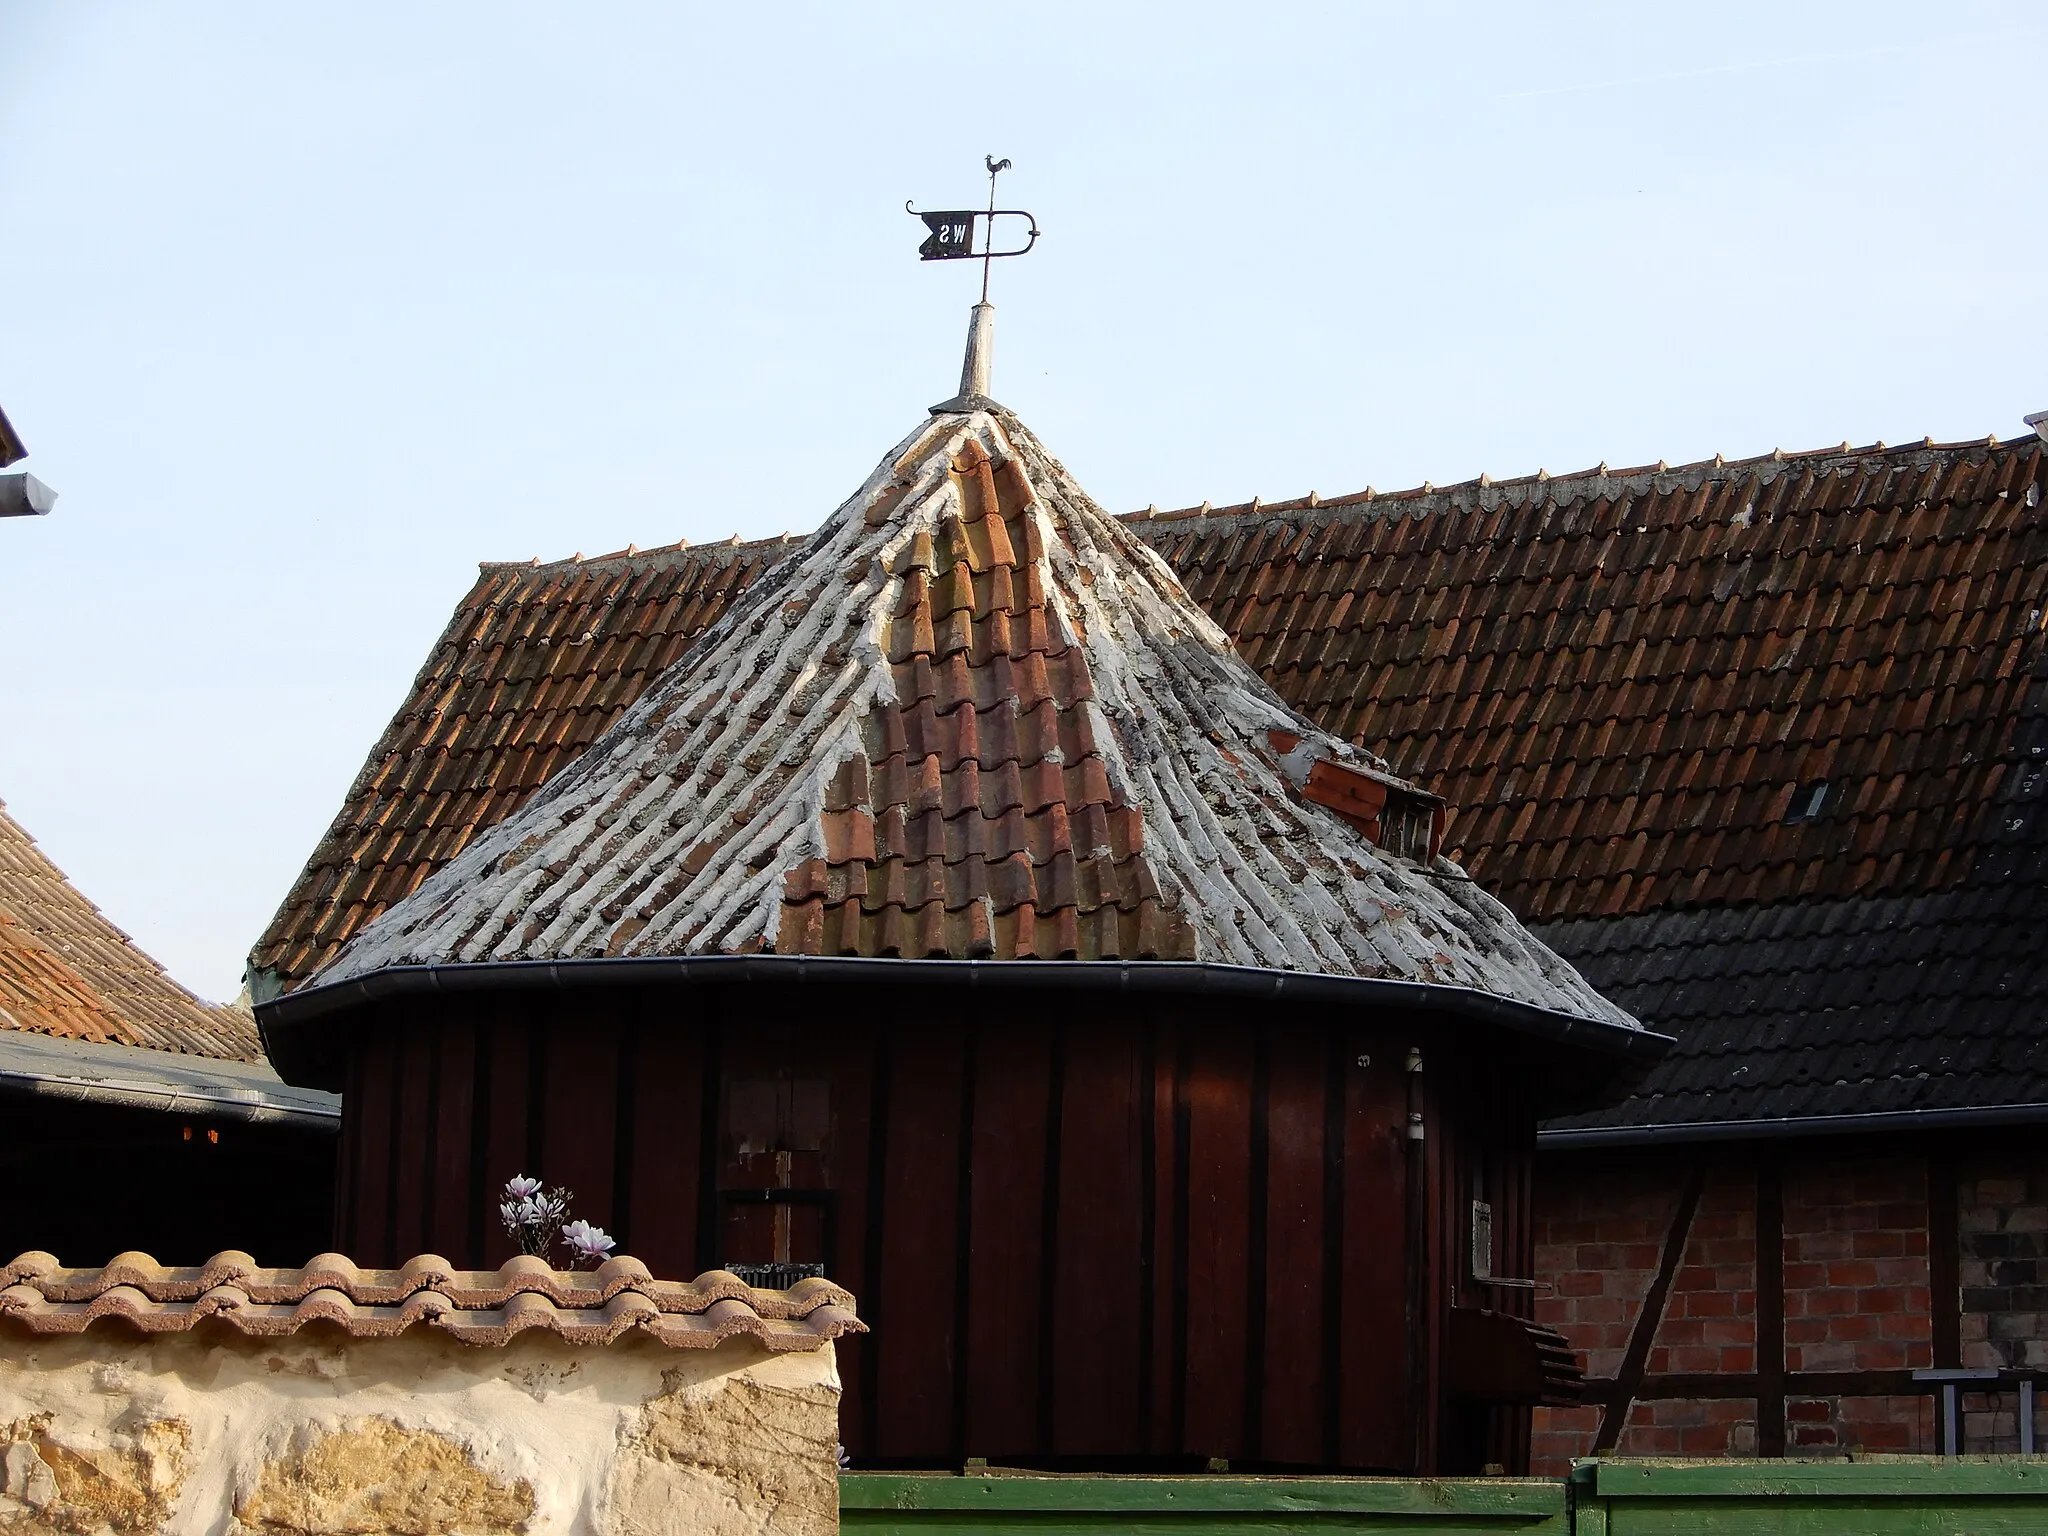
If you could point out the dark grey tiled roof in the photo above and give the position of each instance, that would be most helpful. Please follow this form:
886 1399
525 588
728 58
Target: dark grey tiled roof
1848 1007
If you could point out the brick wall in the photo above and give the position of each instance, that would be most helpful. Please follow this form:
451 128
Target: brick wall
2002 1263
1856 1296
2002 1215
1709 1322
1855 1246
1599 1238
1673 1427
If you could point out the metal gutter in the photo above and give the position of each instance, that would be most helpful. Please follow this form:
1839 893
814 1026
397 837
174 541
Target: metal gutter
1788 1126
282 1018
164 1082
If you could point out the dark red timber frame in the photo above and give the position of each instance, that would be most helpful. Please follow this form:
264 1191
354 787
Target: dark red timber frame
1117 1232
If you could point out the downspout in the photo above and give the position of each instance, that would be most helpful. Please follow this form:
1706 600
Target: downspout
1415 1150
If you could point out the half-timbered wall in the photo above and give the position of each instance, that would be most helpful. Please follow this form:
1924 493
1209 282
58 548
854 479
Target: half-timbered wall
1110 1232
1774 1299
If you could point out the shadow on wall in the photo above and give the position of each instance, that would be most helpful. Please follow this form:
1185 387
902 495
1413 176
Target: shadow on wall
86 1182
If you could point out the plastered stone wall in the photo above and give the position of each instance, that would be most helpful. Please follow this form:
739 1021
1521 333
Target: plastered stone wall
209 1433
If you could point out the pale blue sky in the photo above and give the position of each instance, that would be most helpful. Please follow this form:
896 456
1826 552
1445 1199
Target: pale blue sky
305 310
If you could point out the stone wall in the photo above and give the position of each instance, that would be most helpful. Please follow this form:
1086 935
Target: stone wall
207 1428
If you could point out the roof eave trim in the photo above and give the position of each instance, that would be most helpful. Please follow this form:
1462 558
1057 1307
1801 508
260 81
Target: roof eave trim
241 1105
1985 1116
282 1016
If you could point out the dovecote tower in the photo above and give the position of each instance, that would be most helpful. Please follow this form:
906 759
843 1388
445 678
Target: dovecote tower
962 917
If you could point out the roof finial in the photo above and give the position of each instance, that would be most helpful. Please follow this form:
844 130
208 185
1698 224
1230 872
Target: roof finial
952 239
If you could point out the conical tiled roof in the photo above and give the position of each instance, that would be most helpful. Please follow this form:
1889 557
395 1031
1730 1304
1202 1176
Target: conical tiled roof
972 717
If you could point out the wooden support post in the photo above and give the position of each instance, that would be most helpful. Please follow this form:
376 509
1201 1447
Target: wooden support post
1944 1261
1637 1359
1770 1305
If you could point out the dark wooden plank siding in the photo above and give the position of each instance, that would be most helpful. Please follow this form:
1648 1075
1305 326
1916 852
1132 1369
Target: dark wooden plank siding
412 1113
450 1200
1165 1231
1374 1416
1219 1136
578 1111
668 1089
1291 1422
1007 1215
372 1107
1094 1344
505 1117
847 1061
1162 1427
915 1326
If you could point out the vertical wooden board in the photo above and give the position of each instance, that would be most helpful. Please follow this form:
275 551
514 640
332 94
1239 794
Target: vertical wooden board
412 1141
1291 1424
1374 1425
1095 1346
347 1154
668 1095
914 1331
847 1053
1438 1277
1167 1271
371 1116
750 1066
505 1141
1007 1216
448 1179
579 1105
1219 1227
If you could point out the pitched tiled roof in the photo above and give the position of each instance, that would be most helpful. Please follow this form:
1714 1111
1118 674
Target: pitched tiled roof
481 1307
537 662
1620 680
971 717
1631 684
65 970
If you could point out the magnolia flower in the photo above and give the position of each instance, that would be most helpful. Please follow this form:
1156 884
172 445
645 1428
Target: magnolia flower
587 1243
521 1188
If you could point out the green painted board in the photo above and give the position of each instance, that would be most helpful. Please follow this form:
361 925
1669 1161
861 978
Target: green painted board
1872 1496
1213 1504
1888 1496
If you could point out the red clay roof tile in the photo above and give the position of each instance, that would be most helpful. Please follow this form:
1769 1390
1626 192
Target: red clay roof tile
970 717
65 970
1867 615
485 1308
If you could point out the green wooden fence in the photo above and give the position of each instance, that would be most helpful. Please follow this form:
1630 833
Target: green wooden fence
1881 1496
1884 1496
1215 1504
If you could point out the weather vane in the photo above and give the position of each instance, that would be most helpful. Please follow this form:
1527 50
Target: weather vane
952 232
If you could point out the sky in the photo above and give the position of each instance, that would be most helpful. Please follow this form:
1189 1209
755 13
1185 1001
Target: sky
305 310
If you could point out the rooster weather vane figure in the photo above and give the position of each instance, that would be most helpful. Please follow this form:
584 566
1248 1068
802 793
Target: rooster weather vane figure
952 232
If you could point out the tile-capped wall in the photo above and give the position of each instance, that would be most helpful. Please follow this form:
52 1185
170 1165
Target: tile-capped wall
318 1431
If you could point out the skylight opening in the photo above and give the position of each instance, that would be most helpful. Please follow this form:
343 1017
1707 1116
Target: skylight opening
1807 801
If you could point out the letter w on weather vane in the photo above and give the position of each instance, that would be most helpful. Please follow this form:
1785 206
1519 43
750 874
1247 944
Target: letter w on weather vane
952 232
